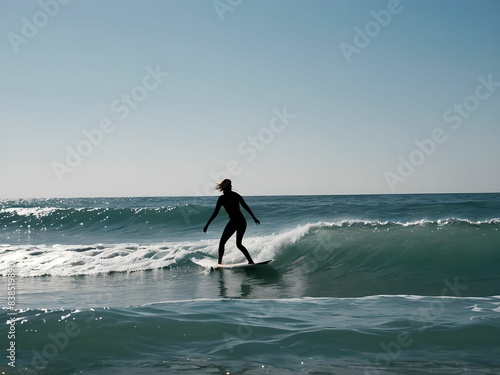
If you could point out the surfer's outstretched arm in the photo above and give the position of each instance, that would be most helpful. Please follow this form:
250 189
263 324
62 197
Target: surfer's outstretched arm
245 206
214 215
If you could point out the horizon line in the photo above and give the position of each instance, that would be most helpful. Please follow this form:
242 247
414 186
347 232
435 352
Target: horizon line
249 195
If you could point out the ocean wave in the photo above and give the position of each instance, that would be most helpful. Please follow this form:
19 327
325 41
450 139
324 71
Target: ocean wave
49 216
50 225
348 258
449 221
175 215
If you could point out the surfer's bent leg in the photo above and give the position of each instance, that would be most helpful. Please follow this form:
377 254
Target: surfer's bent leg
228 232
240 231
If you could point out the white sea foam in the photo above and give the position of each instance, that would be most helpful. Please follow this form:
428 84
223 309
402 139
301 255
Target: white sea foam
29 211
71 260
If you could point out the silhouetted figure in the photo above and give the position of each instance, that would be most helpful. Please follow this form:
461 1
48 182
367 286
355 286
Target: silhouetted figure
231 201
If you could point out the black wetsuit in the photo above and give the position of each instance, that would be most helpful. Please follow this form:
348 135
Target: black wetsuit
231 202
237 222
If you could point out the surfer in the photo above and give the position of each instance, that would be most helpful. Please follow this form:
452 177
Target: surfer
231 201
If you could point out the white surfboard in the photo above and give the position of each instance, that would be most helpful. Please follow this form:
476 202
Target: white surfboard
240 265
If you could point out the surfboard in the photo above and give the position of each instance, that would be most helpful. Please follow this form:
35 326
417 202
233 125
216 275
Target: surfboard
240 265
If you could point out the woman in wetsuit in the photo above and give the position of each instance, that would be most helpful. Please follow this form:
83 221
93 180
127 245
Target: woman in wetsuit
231 201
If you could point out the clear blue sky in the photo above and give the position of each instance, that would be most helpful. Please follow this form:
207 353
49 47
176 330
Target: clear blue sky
353 118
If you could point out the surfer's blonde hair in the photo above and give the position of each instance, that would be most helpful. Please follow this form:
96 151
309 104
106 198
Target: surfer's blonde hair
223 185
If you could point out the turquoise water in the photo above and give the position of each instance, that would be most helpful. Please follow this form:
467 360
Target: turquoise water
358 285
